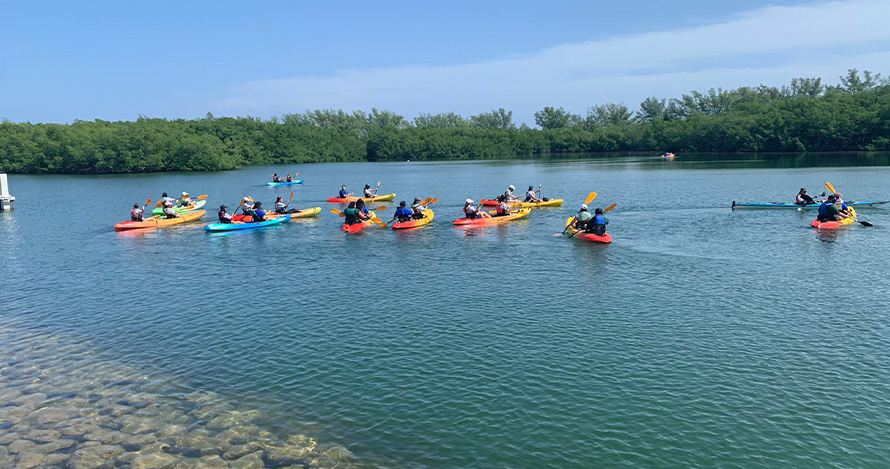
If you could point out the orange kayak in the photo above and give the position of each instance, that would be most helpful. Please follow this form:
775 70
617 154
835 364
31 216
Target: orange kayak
156 221
493 220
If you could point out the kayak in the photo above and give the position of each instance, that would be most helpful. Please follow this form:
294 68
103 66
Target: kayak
157 221
572 232
246 225
827 225
197 205
492 220
344 200
861 203
545 203
303 213
285 183
667 155
356 227
417 222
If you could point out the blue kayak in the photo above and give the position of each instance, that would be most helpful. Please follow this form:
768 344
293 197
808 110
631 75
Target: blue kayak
285 183
246 225
865 203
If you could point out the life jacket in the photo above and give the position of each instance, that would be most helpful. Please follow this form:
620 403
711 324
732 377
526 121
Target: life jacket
599 220
823 207
259 214
352 216
222 216
403 214
342 194
280 207
135 214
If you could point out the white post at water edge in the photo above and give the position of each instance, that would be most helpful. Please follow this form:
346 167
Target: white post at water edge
5 199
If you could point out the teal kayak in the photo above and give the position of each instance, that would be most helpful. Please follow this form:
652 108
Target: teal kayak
284 183
246 225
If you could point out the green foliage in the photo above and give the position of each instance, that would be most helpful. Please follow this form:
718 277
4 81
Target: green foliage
805 116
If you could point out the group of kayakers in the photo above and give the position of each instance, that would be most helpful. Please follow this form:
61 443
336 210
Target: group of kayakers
167 204
832 208
255 209
277 178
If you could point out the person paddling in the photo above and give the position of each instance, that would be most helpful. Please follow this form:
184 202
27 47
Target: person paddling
417 208
369 192
508 194
597 224
223 215
185 200
342 194
802 198
582 218
136 212
403 213
258 213
246 206
472 212
828 211
275 177
351 214
502 209
289 178
530 195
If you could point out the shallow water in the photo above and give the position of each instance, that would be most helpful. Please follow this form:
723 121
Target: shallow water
701 336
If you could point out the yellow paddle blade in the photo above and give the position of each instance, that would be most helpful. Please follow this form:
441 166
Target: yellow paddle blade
590 197
335 210
435 199
425 201
379 207
202 196
384 223
342 215
296 173
376 220
829 187
610 207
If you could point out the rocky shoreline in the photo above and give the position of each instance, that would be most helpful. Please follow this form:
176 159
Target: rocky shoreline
61 407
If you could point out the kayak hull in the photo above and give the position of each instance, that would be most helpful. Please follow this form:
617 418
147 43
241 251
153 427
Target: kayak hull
521 213
357 227
829 225
865 203
546 203
415 223
376 198
157 222
198 205
285 183
303 213
246 225
582 235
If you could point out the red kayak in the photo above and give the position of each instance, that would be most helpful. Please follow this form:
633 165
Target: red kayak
353 228
583 235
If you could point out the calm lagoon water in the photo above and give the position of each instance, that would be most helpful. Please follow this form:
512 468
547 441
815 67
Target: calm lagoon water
701 337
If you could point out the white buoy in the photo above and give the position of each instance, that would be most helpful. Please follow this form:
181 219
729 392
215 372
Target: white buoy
5 198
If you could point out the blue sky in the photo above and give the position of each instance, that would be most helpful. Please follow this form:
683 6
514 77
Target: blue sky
115 60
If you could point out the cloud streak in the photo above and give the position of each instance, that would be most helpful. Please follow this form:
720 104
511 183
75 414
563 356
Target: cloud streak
769 45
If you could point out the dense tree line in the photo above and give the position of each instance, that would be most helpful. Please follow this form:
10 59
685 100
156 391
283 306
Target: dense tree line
805 116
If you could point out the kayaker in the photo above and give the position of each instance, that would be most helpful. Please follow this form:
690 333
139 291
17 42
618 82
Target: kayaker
168 210
246 205
508 194
582 218
185 200
472 212
342 194
275 177
597 224
280 205
530 195
136 212
362 210
828 211
165 199
417 209
802 198
352 214
502 208
403 213
289 178
258 213
224 216
844 209
369 192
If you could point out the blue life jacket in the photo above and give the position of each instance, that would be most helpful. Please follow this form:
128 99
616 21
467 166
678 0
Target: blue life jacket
823 207
403 212
598 220
342 193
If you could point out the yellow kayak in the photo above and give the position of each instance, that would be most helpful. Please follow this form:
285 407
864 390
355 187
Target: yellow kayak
156 221
516 203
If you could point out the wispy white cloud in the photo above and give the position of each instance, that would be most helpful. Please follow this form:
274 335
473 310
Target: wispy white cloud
769 45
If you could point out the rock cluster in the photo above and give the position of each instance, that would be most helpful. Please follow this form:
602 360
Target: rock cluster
62 407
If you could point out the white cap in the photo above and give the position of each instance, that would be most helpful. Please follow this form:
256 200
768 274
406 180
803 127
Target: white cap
511 187
469 201
185 193
583 206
